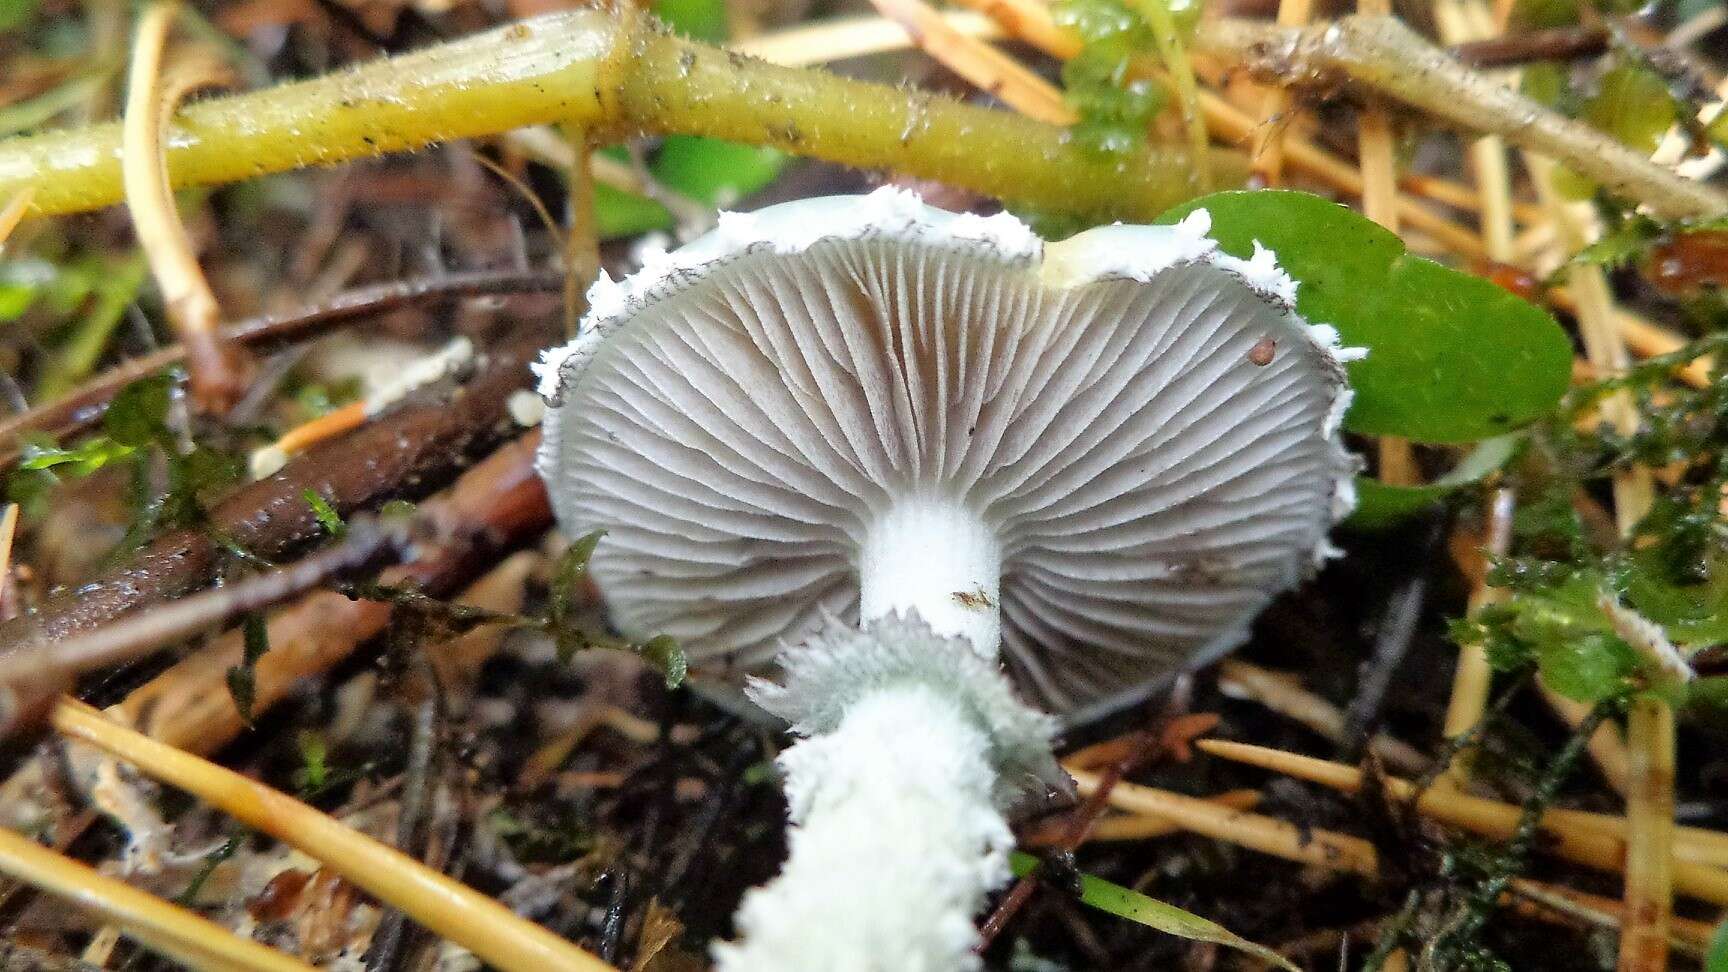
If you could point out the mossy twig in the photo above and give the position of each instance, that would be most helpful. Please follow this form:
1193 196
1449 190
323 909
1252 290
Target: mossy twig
1383 55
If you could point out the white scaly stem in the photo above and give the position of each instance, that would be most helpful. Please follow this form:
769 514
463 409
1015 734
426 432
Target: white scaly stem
934 556
895 843
896 796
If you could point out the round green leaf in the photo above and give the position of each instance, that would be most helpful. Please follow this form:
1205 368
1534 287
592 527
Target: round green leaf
1452 357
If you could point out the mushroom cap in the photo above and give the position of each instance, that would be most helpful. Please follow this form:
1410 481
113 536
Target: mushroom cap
1146 423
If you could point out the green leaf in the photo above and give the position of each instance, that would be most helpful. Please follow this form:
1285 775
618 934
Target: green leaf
714 172
1577 652
1452 357
1633 105
572 568
327 516
138 415
619 214
14 13
1379 505
662 652
703 20
80 460
1127 903
1586 669
1717 959
1692 615
314 770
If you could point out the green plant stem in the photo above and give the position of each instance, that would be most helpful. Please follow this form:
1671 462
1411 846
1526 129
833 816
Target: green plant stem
1175 57
616 75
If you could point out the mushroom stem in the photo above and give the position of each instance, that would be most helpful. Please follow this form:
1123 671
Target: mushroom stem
935 556
914 746
894 845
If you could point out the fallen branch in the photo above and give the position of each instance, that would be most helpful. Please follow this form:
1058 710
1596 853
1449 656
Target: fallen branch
49 667
409 451
494 507
83 408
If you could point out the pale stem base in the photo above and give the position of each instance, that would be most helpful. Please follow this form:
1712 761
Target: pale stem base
895 843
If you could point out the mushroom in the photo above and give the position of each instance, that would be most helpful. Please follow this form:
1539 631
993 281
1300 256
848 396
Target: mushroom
934 463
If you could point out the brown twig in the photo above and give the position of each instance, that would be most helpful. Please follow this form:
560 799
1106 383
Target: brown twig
1377 158
1651 873
581 233
1145 747
1552 44
8 531
1171 734
1691 936
409 451
55 664
84 407
1696 844
217 373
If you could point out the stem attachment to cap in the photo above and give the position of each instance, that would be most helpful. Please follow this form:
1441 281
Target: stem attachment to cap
933 555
